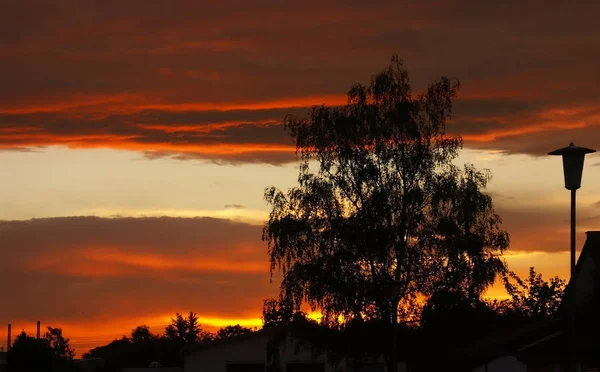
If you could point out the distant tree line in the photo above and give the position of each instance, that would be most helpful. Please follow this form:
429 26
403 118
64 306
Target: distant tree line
143 347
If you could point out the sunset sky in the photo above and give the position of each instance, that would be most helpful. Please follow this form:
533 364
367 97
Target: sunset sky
137 138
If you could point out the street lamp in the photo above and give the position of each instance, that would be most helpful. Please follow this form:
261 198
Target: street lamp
572 157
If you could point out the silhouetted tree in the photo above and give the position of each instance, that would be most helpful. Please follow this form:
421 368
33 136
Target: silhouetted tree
144 347
387 215
117 354
138 351
279 312
532 298
29 354
186 329
63 354
193 330
451 308
450 319
142 334
231 331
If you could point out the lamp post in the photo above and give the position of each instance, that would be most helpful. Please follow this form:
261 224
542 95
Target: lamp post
572 157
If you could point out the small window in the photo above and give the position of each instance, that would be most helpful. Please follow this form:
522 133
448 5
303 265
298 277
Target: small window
245 367
305 367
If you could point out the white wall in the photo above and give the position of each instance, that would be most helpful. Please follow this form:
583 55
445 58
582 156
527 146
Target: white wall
148 369
252 350
214 359
503 364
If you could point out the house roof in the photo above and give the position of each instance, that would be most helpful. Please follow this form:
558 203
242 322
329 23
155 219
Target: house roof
586 273
504 341
226 341
522 339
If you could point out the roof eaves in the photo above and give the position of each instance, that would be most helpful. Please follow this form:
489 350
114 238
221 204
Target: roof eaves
215 343
590 250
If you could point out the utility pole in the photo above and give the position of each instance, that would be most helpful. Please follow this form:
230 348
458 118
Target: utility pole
9 338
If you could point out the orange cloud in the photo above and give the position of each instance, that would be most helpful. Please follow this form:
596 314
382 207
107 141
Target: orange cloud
200 128
162 262
495 134
332 100
80 102
134 103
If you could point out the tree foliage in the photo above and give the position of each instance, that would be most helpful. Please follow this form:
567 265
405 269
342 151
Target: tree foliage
279 312
28 353
59 344
142 334
387 215
532 298
232 331
50 353
186 329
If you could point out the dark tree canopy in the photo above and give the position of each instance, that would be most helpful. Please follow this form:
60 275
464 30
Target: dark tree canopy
142 334
187 330
280 312
59 344
386 216
50 353
532 298
29 354
231 331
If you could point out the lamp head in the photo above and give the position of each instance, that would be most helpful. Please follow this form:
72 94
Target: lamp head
573 157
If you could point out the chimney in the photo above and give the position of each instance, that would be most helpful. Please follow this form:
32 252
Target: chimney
593 235
9 340
38 329
593 241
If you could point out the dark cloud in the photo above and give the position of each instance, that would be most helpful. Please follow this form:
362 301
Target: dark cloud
235 206
537 228
498 196
109 66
